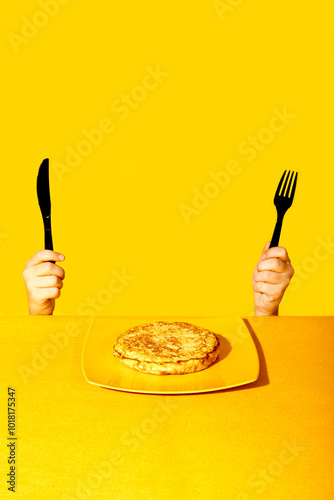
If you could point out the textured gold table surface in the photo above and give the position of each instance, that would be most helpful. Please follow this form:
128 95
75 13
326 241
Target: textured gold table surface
270 439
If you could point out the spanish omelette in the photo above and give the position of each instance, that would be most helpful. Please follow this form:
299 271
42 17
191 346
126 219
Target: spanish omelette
167 348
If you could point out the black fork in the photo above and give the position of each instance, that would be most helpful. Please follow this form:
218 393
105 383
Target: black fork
282 201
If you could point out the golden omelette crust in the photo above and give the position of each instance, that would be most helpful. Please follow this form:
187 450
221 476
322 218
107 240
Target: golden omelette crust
164 348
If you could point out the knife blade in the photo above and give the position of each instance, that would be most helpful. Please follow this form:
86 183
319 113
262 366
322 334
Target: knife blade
44 200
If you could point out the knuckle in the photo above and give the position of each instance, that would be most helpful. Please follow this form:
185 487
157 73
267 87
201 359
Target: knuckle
278 264
284 253
54 293
266 275
274 264
39 254
54 280
48 267
281 250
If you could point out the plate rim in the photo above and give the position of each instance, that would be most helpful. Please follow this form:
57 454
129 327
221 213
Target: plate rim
178 392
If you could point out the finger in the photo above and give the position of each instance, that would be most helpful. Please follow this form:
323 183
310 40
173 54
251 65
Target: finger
46 293
273 292
271 278
276 265
276 252
47 282
44 256
47 268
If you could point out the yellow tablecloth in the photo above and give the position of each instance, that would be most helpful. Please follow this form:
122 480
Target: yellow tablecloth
272 439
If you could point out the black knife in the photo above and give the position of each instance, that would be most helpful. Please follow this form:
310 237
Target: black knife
43 194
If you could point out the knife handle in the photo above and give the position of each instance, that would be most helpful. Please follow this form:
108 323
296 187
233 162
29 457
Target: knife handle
48 244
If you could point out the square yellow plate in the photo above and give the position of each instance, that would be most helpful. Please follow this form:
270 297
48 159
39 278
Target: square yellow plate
237 363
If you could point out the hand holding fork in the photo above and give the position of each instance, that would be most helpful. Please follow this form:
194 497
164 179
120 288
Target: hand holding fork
274 271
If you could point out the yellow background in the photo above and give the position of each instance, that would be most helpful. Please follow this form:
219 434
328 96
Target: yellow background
120 208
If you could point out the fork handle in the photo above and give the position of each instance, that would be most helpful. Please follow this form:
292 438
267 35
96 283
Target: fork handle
277 230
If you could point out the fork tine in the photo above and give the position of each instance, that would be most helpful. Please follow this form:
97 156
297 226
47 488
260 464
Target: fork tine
285 183
289 186
280 184
294 187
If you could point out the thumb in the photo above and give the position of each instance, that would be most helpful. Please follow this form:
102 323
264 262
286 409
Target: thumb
266 247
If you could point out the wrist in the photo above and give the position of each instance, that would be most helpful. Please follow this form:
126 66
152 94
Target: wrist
259 312
39 310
